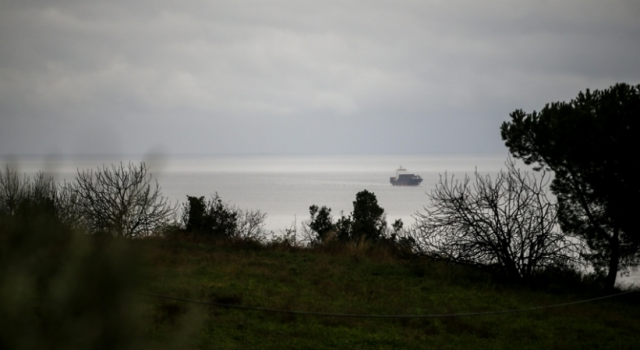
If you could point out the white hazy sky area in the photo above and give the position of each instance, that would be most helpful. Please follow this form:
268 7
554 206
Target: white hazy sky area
297 77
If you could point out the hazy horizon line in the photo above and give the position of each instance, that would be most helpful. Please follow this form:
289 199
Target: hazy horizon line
169 154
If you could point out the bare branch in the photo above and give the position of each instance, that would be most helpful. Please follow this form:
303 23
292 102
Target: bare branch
507 222
122 200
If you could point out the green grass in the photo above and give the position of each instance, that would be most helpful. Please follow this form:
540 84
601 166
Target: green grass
360 281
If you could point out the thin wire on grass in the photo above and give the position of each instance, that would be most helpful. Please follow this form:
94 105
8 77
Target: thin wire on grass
263 309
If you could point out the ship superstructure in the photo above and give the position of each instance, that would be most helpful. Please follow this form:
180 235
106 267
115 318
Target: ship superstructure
403 178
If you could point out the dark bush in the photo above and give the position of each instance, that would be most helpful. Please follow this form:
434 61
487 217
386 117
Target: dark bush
368 219
215 219
321 221
366 222
211 218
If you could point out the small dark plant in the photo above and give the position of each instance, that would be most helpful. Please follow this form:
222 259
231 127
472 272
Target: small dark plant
211 218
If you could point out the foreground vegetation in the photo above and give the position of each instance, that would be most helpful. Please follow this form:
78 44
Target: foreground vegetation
364 280
61 288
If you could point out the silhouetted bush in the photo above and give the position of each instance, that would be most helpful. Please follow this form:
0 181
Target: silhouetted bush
215 219
320 222
366 223
367 218
211 218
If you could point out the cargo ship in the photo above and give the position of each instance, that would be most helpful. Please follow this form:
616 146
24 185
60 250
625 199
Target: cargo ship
404 179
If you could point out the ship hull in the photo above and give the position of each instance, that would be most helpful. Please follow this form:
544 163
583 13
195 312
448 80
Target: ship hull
408 181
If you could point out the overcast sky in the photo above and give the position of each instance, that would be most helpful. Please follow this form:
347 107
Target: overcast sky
297 77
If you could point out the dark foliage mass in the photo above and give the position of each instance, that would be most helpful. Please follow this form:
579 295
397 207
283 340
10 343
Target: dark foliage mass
216 219
321 221
505 223
366 222
210 218
589 144
368 219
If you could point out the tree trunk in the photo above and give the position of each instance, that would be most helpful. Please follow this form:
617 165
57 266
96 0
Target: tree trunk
614 260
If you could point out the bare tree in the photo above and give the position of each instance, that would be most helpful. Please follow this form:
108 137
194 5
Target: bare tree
507 223
250 225
121 201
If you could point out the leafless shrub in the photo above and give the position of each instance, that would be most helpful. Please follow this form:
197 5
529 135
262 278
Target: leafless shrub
121 201
25 194
250 225
287 238
308 237
41 189
68 206
508 223
12 190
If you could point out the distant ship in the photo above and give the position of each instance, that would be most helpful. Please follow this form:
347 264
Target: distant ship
404 179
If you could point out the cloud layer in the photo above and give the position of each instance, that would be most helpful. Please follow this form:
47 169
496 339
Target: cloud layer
297 76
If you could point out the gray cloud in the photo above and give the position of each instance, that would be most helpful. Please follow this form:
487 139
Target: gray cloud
297 76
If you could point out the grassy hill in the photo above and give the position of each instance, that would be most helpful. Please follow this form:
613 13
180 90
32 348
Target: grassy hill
362 280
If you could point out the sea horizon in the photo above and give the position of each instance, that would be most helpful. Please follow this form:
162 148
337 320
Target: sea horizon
282 186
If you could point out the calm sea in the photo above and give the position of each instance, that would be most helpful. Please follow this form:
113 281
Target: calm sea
284 187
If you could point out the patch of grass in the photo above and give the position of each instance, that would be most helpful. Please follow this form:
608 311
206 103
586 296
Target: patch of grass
360 280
